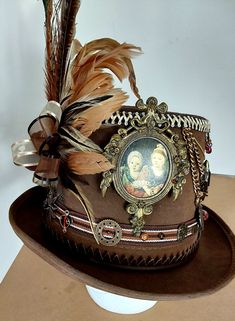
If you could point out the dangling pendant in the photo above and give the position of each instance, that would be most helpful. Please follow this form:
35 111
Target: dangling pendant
208 145
65 221
205 179
137 212
149 161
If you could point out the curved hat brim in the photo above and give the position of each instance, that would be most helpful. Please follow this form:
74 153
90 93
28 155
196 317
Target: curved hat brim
212 267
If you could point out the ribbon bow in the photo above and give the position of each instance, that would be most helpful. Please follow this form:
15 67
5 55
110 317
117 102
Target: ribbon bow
40 152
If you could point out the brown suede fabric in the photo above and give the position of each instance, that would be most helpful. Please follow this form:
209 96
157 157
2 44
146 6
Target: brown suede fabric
112 206
214 253
166 211
212 267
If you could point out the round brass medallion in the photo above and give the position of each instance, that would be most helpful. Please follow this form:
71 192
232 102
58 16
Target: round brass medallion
108 232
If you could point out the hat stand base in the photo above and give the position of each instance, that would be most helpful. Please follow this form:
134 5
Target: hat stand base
117 303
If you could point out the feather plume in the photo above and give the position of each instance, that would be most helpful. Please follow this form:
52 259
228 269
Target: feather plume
70 113
90 120
89 80
75 138
83 163
80 78
60 29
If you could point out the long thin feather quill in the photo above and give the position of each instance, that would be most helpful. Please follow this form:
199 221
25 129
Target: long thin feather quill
66 33
60 29
77 191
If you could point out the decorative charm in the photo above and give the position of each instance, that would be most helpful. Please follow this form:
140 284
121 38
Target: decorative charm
205 215
200 170
205 178
107 180
182 232
138 210
65 220
137 223
208 146
200 218
148 159
108 232
161 235
144 236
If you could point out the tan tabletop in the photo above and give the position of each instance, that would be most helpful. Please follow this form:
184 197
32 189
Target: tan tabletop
35 291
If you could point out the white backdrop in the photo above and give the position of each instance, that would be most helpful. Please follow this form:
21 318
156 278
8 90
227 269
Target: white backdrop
188 62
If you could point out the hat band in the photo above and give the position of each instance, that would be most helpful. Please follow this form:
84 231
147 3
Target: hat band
111 233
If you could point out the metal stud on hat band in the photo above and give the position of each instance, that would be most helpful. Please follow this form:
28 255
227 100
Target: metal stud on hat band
110 233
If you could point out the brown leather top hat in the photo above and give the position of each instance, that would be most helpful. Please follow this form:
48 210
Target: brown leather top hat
212 267
120 202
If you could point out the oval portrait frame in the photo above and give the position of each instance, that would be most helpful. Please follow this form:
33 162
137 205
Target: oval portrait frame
124 146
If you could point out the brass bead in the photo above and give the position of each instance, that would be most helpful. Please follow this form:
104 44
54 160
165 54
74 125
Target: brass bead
144 236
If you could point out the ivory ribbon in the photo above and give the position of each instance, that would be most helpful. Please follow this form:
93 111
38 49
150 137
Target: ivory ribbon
39 153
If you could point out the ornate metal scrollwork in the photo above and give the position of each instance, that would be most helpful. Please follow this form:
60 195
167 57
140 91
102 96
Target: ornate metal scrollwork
149 160
137 212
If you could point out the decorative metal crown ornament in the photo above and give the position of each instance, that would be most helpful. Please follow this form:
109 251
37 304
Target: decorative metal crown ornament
149 161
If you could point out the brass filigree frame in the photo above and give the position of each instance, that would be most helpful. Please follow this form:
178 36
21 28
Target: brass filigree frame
124 144
152 126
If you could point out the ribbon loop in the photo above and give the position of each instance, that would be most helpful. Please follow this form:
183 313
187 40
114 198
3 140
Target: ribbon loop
24 153
46 172
54 110
41 150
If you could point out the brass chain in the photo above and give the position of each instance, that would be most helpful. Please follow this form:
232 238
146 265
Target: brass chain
197 155
196 165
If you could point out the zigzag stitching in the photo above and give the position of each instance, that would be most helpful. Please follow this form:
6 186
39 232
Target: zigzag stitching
105 257
187 121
